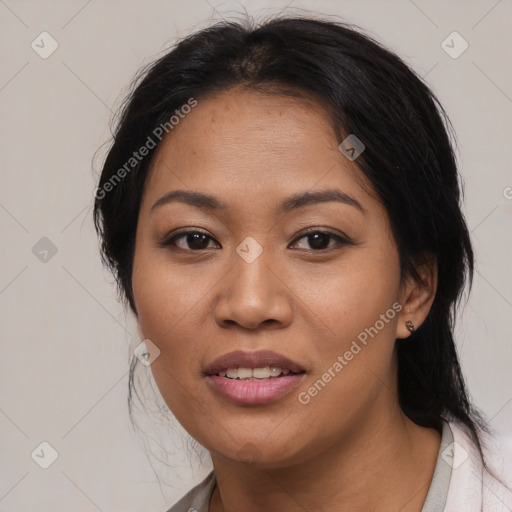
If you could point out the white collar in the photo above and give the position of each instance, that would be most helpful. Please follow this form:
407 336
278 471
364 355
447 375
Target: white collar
465 492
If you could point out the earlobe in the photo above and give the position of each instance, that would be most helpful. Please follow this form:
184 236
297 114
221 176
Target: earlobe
417 298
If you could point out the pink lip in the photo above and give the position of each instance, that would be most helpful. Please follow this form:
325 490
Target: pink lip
254 392
259 359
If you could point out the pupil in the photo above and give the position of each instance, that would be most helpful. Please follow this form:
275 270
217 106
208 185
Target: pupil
318 240
197 241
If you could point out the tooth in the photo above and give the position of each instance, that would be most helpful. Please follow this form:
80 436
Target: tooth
232 373
261 373
264 372
244 373
275 371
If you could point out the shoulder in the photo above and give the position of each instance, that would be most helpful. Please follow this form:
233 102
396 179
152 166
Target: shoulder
198 498
471 486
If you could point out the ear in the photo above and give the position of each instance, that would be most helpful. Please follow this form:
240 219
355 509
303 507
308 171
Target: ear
417 297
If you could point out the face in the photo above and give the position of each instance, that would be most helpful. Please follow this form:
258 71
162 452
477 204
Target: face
315 280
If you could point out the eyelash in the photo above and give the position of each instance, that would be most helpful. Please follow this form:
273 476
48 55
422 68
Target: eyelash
341 240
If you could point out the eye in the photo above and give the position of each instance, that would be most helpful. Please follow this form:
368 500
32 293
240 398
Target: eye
319 240
189 241
195 241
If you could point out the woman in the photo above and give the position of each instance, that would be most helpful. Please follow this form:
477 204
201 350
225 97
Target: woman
281 210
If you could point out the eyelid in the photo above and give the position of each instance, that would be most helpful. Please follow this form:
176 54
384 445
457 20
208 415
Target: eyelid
186 231
322 229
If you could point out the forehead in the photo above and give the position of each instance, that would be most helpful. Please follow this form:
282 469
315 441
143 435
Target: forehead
241 142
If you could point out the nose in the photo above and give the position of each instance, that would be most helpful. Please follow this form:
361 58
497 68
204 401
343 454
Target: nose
254 295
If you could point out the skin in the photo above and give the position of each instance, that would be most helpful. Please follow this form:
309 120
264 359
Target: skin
350 448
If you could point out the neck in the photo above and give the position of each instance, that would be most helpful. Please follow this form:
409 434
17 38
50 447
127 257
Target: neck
379 467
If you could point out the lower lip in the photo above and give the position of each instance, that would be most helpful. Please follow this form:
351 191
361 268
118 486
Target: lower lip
254 392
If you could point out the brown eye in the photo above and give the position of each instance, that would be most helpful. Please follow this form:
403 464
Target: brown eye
189 241
321 240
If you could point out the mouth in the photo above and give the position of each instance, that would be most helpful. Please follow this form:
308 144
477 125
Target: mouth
262 373
262 364
253 378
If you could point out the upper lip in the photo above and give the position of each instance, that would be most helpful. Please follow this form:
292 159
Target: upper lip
259 359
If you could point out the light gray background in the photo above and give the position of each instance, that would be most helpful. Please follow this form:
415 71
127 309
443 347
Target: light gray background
65 338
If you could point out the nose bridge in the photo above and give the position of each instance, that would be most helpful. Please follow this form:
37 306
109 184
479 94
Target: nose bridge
252 268
252 293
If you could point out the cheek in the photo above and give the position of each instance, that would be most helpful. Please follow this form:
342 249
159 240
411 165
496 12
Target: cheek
348 296
164 292
355 366
165 302
356 302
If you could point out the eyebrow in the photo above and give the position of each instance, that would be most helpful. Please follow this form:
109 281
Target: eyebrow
300 200
322 196
197 199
